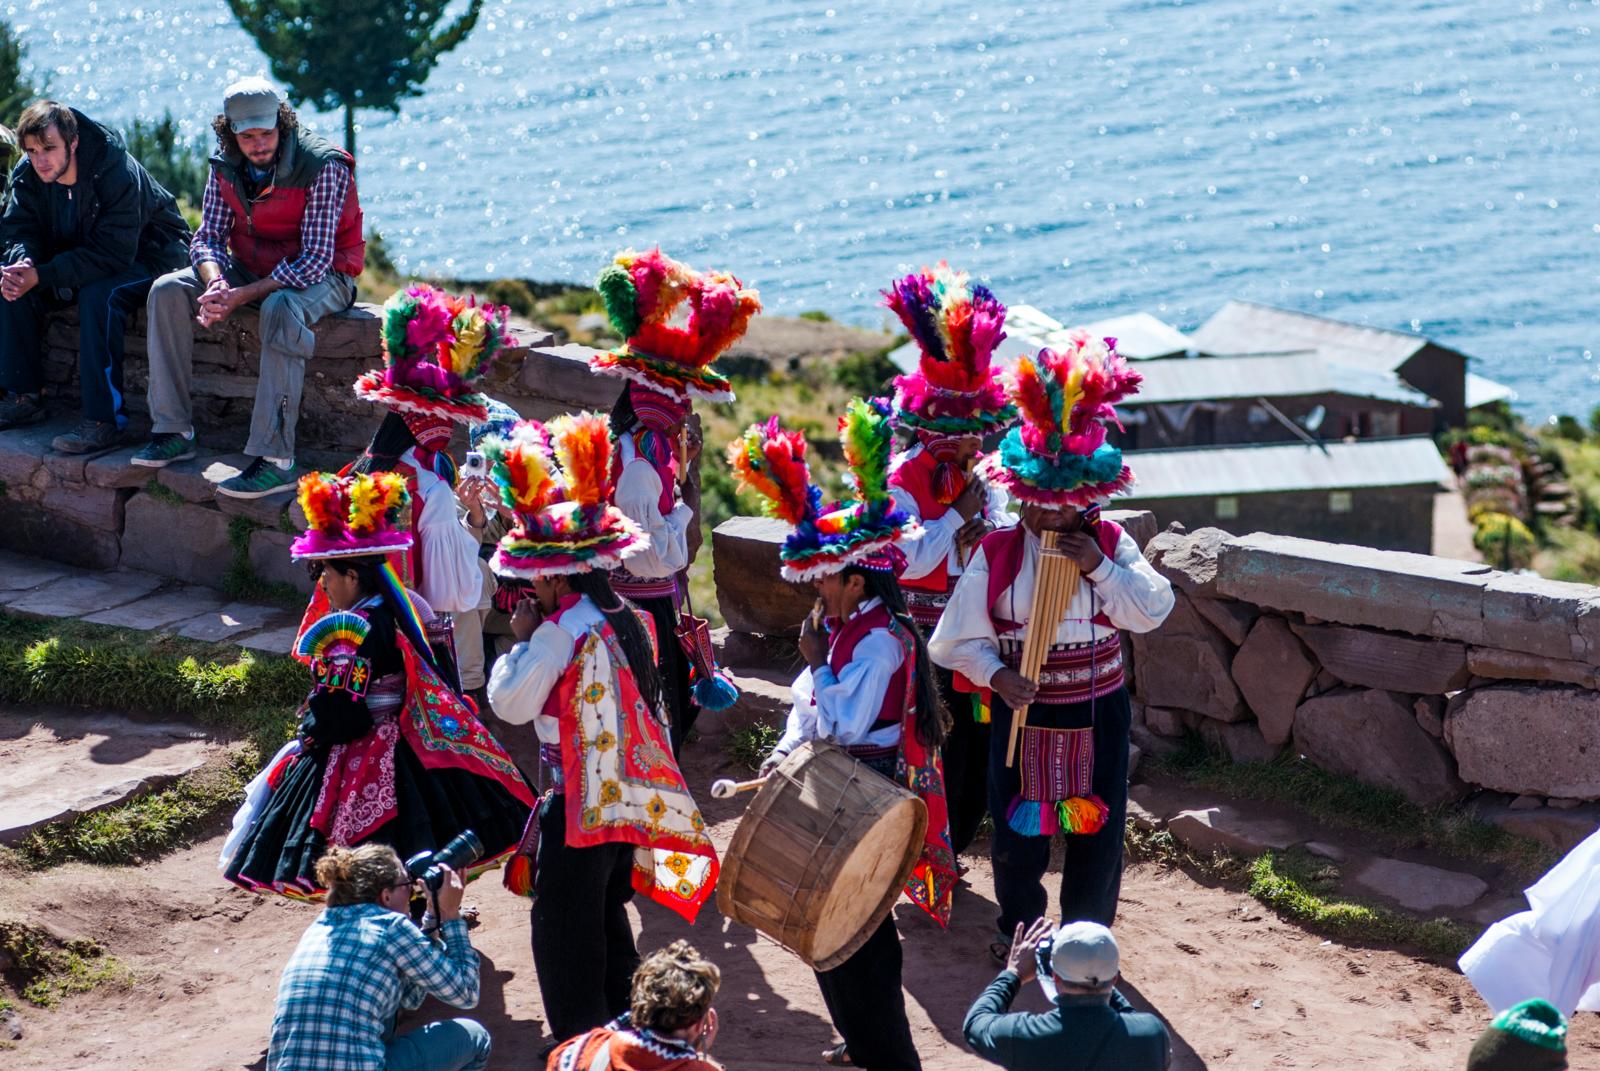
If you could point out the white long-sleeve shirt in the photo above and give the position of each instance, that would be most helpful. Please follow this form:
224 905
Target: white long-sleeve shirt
1124 587
523 677
938 542
639 498
451 579
846 704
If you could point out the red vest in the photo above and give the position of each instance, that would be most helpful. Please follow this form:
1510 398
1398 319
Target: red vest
915 477
1002 551
555 702
266 231
843 648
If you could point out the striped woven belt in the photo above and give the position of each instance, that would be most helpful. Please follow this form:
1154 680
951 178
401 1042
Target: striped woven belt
926 607
550 759
1073 672
640 587
881 759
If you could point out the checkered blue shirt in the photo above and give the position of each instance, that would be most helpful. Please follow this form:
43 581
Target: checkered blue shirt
354 969
324 205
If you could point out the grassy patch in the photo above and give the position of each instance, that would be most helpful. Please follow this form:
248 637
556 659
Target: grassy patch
42 968
162 493
750 745
242 582
75 664
146 827
1348 803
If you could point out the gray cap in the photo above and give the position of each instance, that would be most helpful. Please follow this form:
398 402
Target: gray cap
1084 953
251 104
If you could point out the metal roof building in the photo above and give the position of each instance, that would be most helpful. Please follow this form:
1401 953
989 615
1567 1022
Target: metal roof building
1267 376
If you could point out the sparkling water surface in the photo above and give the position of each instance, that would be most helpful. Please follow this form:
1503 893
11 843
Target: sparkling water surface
1432 166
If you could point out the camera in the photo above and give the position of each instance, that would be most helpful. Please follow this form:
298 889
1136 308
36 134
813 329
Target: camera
463 850
476 464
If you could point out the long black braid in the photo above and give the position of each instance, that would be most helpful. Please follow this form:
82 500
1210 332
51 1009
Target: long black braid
392 439
630 631
933 721
369 576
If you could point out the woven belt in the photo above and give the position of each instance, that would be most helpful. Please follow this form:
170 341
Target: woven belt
1073 672
640 587
926 607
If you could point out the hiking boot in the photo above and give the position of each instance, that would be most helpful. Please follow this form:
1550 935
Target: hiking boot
260 479
20 409
163 449
89 436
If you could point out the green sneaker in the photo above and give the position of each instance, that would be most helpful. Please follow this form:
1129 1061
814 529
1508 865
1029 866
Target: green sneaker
260 479
163 449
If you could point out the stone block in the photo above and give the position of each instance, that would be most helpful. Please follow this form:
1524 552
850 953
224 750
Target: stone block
1492 663
26 527
228 621
750 593
1232 618
1429 710
1273 672
1558 828
19 572
1138 523
151 539
744 650
22 451
1224 828
92 507
1539 616
116 469
1241 741
1373 736
1186 663
1367 658
267 512
80 596
160 611
278 641
1166 721
270 560
1417 886
561 374
1188 559
1529 739
196 480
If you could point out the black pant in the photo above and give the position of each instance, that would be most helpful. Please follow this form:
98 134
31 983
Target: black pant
966 763
583 950
103 310
682 710
868 1006
1091 877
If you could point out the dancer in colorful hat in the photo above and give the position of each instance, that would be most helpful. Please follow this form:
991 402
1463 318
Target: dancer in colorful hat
385 750
617 816
1070 772
868 687
666 367
947 406
436 350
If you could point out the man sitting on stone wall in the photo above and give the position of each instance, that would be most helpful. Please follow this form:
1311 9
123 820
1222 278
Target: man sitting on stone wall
87 225
280 228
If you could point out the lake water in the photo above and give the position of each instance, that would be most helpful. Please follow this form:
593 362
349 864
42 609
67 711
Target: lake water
1422 165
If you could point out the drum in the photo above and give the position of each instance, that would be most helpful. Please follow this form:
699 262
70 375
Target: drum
821 854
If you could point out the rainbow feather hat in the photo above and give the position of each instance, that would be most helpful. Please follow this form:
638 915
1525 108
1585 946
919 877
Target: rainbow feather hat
556 478
436 350
641 293
1058 456
957 326
352 515
771 461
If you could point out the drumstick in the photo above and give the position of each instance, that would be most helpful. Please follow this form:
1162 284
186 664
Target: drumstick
725 789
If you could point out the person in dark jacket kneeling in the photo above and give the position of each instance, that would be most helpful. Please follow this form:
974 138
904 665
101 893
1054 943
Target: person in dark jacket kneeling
1093 1027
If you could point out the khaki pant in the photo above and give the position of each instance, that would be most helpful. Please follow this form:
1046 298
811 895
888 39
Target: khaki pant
287 342
470 658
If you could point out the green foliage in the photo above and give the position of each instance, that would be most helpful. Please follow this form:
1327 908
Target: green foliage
241 581
43 968
378 258
1503 540
816 316
1594 420
513 293
867 374
162 493
180 166
750 745
353 54
16 85
1567 427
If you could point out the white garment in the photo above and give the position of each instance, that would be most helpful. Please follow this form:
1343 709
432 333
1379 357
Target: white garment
639 498
938 542
1551 951
1132 595
523 677
255 798
451 579
848 703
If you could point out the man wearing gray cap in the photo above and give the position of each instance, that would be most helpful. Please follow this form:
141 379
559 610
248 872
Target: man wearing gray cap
280 228
1093 1027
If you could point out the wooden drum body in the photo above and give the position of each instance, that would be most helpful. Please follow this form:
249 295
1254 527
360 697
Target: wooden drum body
821 854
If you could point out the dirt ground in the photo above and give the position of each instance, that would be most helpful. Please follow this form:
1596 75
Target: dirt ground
1239 988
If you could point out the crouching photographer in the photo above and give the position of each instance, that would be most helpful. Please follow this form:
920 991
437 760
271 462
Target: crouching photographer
363 960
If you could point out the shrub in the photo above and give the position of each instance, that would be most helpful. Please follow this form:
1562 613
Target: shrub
179 164
1567 427
867 374
1504 541
513 293
816 316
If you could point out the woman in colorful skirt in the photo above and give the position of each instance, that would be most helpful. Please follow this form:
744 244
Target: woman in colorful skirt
385 750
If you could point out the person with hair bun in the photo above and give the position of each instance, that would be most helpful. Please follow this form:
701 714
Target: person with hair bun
670 1024
362 961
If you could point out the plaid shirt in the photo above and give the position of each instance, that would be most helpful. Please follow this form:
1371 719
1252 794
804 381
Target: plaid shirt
324 205
354 969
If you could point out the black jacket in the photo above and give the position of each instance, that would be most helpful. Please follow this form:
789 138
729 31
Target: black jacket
124 217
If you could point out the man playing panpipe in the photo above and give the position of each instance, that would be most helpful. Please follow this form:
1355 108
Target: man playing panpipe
867 687
1067 768
948 405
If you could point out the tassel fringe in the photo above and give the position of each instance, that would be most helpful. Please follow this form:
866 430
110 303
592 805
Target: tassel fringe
715 692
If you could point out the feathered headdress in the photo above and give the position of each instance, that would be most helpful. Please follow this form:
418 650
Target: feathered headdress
772 462
641 292
352 515
957 326
556 478
1058 455
436 350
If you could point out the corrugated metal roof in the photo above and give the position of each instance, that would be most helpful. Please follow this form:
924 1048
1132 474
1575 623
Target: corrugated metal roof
1241 327
1143 337
1482 391
1274 376
1252 470
1140 336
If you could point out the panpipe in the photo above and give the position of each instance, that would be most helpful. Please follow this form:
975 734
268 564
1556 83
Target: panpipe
1055 582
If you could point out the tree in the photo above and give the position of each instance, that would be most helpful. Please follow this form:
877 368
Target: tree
16 90
353 53
180 166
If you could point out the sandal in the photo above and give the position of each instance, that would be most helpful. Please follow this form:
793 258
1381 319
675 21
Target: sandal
838 1056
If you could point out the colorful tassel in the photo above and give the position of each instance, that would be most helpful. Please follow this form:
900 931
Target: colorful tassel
948 482
715 692
1082 814
340 632
1023 816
